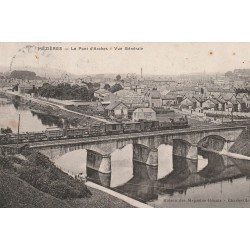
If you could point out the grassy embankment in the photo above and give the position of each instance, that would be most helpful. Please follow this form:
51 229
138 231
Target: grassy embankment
242 144
73 119
32 180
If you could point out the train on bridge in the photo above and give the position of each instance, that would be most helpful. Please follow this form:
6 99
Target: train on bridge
94 130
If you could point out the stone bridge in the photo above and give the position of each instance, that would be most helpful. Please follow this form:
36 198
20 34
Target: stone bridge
145 145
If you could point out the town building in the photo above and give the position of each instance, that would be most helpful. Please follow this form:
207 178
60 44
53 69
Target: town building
221 103
25 88
104 96
117 110
248 103
153 97
169 99
187 102
144 114
232 105
210 104
227 96
131 99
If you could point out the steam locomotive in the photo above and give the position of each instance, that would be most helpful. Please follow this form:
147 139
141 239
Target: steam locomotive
94 130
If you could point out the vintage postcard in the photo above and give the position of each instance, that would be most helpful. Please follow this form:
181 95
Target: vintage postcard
124 125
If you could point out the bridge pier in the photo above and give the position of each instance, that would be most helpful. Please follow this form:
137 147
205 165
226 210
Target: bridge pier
184 149
96 161
145 155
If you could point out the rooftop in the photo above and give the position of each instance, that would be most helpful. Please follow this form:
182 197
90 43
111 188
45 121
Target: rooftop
155 94
113 105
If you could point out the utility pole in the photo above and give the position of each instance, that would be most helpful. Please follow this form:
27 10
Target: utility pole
18 128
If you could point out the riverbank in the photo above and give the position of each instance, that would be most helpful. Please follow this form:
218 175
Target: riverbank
51 107
99 199
30 179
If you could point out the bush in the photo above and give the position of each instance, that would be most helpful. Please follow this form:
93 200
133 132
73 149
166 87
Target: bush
5 163
45 176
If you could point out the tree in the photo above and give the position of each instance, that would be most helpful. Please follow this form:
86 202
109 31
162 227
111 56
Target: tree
116 88
23 74
118 78
229 74
15 88
96 85
6 130
106 86
65 91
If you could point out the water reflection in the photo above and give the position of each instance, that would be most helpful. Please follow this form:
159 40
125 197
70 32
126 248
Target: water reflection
177 182
29 121
48 120
221 180
98 177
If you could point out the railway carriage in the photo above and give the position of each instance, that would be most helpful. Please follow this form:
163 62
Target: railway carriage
114 128
76 132
149 125
97 130
14 138
36 136
54 133
165 125
131 127
182 123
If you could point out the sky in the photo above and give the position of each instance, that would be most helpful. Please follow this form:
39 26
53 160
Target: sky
153 58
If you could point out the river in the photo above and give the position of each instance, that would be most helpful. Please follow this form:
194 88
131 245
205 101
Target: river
212 181
30 121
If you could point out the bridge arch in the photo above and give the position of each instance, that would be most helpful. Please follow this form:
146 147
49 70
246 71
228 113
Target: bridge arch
56 151
212 142
73 162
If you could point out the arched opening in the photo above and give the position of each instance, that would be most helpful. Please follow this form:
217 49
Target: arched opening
73 163
202 162
121 165
212 142
165 160
167 163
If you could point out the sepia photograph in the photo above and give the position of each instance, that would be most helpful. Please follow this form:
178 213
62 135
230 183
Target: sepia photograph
110 107
124 125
